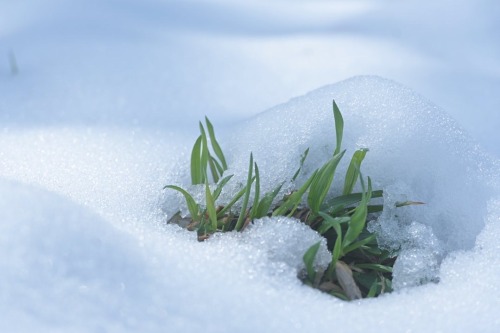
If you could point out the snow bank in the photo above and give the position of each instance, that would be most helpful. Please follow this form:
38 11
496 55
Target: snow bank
416 151
102 114
59 262
124 270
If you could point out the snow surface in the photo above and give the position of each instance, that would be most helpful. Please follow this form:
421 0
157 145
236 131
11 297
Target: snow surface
103 112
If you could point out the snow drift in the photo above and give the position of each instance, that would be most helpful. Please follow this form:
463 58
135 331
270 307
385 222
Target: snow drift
105 260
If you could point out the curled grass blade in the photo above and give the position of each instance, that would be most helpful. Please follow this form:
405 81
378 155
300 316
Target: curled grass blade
215 145
352 173
192 205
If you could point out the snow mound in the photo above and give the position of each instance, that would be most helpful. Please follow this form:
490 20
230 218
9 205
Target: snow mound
285 240
69 264
416 152
61 256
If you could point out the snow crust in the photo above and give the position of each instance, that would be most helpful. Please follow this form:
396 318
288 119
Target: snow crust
102 115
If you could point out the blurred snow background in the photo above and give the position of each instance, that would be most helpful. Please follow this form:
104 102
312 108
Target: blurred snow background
102 113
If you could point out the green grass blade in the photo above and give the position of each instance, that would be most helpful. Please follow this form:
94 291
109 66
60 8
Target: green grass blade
340 203
255 206
359 244
219 168
241 218
352 173
388 285
409 203
375 208
337 252
350 199
358 219
213 169
233 201
308 259
266 202
215 145
331 222
328 223
339 127
221 185
205 153
302 159
369 192
375 267
373 289
192 205
295 198
196 168
212 215
322 183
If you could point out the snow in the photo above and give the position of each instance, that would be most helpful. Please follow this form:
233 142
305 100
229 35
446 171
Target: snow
102 115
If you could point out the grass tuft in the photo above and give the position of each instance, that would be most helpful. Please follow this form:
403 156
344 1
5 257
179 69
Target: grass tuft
359 268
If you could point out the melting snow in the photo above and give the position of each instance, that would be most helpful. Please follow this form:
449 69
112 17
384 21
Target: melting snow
100 117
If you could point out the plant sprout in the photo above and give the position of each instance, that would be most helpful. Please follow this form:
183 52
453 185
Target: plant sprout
359 268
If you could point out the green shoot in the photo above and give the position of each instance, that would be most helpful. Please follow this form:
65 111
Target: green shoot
295 198
308 259
266 202
202 159
196 163
243 213
211 206
339 127
358 219
255 206
359 268
302 160
191 203
353 170
215 144
322 183
221 185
